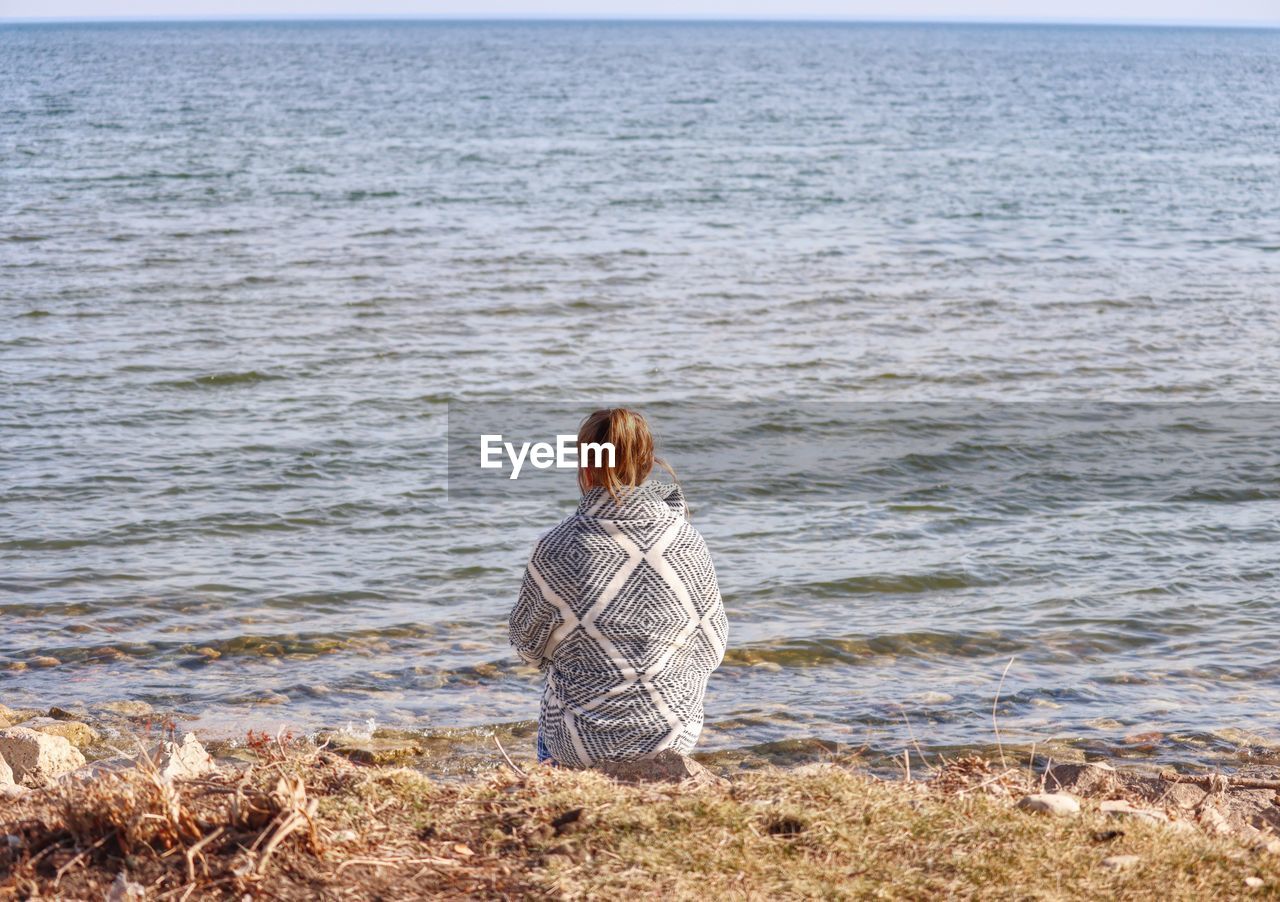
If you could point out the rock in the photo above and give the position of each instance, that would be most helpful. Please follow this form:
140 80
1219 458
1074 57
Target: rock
665 767
44 661
4 722
37 757
1122 809
63 714
1091 779
1236 808
181 760
6 773
1058 804
127 708
172 760
1254 882
1121 862
375 751
18 715
81 735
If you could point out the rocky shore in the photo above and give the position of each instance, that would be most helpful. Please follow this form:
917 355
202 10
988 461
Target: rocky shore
115 803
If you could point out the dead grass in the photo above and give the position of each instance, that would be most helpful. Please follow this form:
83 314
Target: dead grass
311 825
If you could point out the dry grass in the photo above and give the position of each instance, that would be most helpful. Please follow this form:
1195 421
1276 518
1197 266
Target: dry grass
311 825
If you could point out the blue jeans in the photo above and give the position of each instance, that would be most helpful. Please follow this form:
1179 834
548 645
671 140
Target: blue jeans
544 757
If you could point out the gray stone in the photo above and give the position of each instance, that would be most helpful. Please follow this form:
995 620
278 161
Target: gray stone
1058 804
665 767
37 757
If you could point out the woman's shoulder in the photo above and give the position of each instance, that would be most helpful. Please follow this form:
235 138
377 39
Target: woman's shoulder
566 530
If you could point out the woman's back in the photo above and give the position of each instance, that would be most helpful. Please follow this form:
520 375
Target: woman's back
620 605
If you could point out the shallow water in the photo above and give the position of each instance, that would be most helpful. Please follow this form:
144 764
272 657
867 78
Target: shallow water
244 268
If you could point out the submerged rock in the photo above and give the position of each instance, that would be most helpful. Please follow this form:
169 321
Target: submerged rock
1058 804
665 767
373 750
127 708
37 757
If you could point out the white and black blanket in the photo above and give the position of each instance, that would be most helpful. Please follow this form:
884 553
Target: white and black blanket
621 609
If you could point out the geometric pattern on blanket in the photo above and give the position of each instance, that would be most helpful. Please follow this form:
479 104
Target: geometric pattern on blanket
620 607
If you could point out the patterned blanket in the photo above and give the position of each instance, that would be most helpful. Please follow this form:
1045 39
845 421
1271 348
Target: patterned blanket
620 607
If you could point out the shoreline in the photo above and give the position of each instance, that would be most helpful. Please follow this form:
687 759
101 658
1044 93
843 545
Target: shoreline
450 751
357 817
457 750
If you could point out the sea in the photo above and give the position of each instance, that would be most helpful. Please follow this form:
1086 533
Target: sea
260 281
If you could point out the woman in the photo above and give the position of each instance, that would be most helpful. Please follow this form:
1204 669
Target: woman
621 609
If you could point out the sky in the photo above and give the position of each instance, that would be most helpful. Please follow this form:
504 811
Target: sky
1219 12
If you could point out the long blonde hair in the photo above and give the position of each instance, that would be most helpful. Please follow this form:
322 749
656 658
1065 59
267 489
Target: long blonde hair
633 459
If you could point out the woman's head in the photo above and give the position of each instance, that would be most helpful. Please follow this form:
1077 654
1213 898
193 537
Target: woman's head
633 459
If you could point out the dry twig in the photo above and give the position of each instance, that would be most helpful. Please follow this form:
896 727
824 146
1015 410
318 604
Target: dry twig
507 758
1212 781
994 723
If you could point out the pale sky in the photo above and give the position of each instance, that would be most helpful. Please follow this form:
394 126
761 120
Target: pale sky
1172 11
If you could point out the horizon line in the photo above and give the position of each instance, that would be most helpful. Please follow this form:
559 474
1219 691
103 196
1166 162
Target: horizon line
672 20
